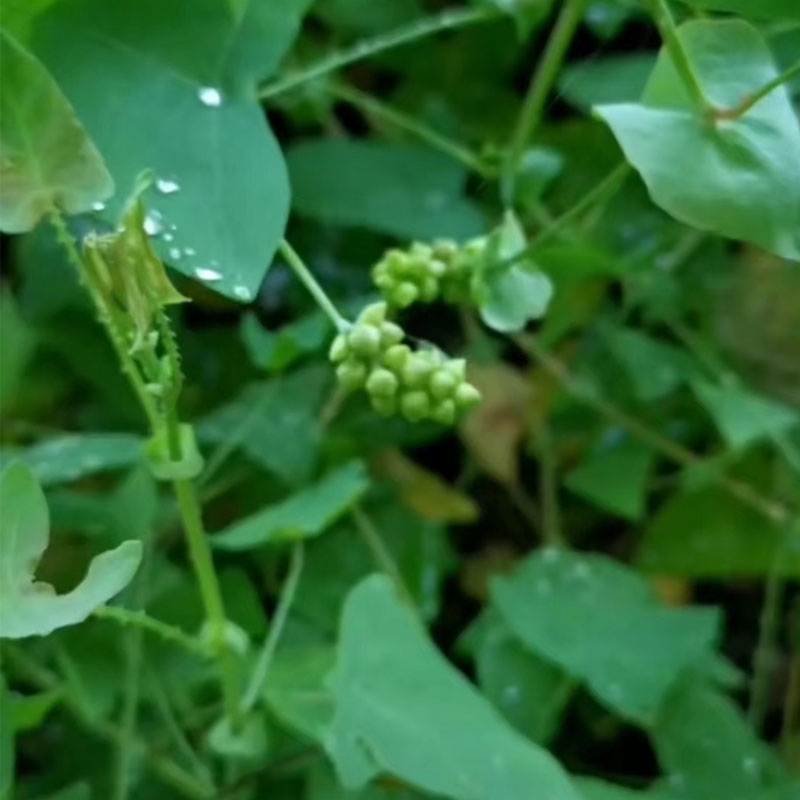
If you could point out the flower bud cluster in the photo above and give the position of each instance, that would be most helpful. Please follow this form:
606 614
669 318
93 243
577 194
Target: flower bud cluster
419 384
424 273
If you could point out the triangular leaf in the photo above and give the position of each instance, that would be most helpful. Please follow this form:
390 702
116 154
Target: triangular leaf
28 608
46 157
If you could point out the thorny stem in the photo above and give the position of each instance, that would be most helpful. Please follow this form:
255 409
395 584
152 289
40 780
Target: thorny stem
542 82
288 591
770 509
310 282
200 553
680 58
199 549
751 99
67 242
446 20
379 110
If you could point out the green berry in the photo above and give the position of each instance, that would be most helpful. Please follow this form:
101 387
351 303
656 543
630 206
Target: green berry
385 406
381 383
391 334
457 367
429 289
404 294
383 281
373 314
365 340
416 371
339 348
466 396
415 405
442 383
351 374
437 268
444 412
396 356
445 249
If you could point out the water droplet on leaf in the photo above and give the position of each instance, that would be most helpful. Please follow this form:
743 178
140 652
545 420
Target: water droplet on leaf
98 206
242 292
153 223
175 253
166 186
210 96
207 274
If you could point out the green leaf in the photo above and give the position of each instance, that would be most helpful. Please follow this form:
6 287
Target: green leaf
615 478
633 651
187 72
509 295
741 416
739 178
7 748
275 351
654 368
709 534
529 692
17 346
707 747
75 456
29 711
613 79
276 423
397 700
403 190
786 10
46 157
30 608
296 692
306 513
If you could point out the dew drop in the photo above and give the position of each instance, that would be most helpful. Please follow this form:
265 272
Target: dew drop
166 186
189 251
175 253
511 694
153 223
242 292
207 274
210 96
98 206
750 765
581 570
168 237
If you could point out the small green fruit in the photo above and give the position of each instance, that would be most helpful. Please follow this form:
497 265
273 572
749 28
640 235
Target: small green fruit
391 334
339 349
382 383
385 406
404 294
396 356
365 340
373 314
444 412
351 374
457 367
415 405
466 396
442 384
416 371
429 289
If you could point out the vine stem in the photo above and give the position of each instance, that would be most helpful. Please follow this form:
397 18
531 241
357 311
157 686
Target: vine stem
773 511
680 58
446 20
764 656
68 243
541 83
310 282
751 99
287 595
380 110
200 553
140 619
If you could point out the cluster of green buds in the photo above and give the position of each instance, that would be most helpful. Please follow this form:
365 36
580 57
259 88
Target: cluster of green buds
419 384
425 273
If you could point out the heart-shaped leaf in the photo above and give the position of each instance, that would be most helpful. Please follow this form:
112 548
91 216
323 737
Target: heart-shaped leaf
738 177
29 608
46 157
